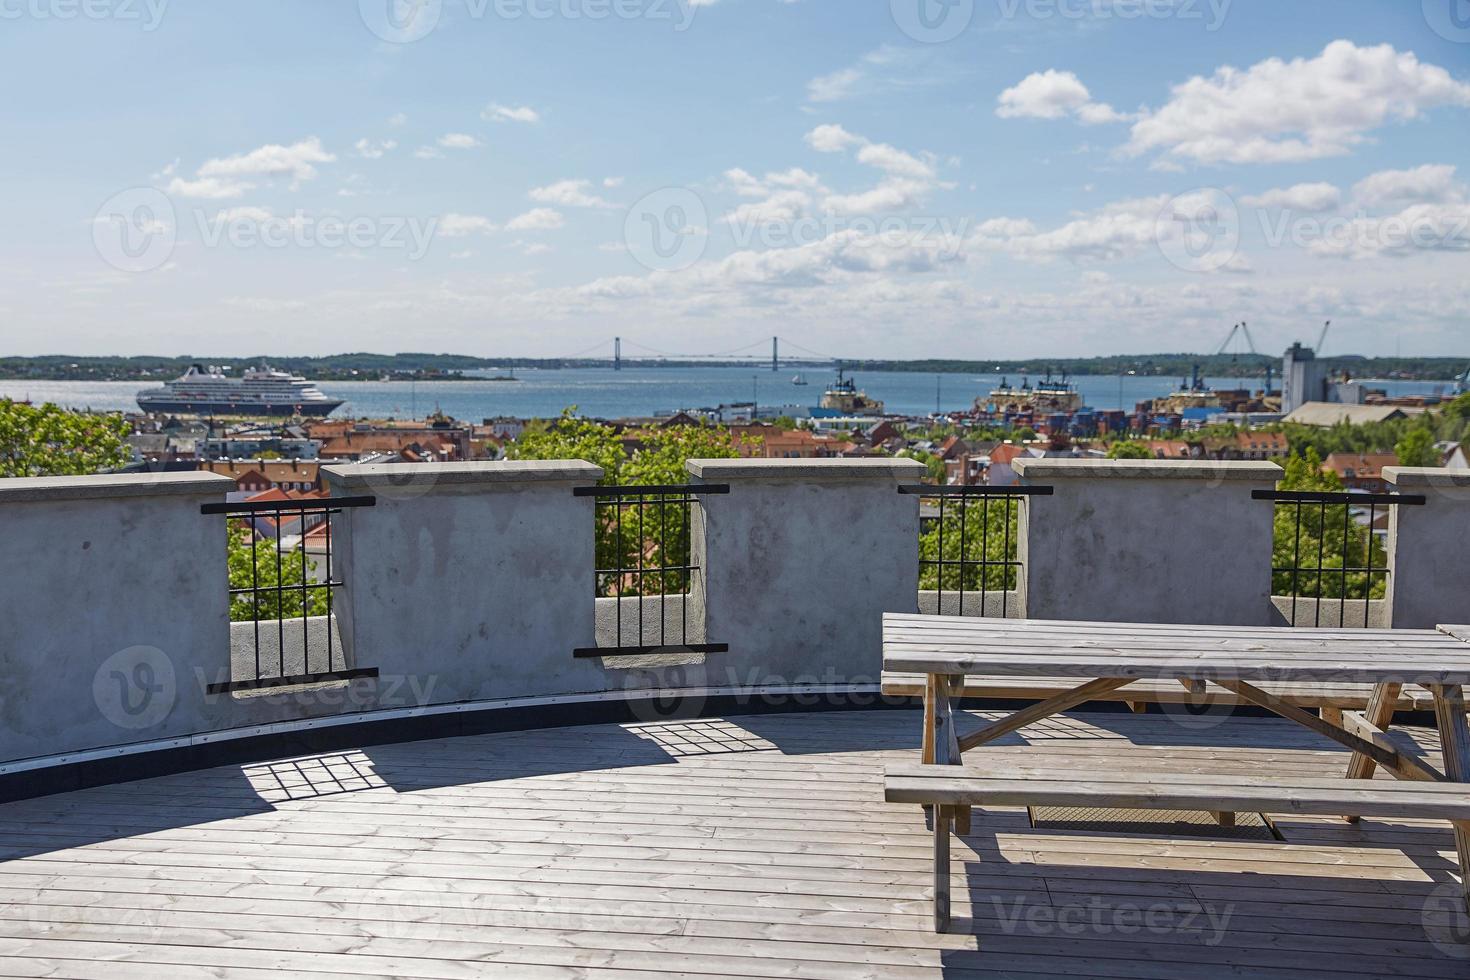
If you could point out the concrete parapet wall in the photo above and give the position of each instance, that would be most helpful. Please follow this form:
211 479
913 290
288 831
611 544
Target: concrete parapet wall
1429 548
113 591
1153 541
799 561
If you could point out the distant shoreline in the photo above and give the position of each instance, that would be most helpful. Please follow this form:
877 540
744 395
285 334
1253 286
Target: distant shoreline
458 367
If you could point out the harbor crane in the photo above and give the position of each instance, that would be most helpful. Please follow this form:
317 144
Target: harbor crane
1239 328
1322 338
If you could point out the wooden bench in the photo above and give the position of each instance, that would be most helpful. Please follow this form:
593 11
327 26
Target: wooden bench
947 788
1321 697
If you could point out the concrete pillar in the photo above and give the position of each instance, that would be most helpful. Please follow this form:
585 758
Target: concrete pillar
1428 555
112 589
473 578
1153 541
799 562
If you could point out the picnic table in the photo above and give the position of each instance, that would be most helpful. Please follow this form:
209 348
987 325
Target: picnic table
1254 664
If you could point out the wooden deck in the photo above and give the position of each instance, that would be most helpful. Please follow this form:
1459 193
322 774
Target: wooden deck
747 847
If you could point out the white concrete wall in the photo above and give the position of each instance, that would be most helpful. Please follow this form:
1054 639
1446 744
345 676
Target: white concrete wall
112 590
1147 541
1429 548
476 578
799 562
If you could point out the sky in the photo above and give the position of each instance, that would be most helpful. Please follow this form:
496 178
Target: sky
888 178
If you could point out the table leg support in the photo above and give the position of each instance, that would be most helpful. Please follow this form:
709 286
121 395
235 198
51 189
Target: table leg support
941 868
946 738
1454 739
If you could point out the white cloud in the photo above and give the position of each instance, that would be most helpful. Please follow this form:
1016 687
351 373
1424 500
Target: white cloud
1417 228
536 219
1433 183
831 138
398 119
427 153
1288 111
611 182
297 161
459 141
460 225
908 177
748 185
230 177
569 193
1053 94
834 87
209 188
893 194
1309 198
895 161
243 214
888 67
1115 231
370 150
780 208
495 112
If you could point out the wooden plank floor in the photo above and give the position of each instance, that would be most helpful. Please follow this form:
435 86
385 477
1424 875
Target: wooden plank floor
745 847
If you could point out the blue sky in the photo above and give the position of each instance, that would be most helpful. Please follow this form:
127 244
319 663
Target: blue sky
532 177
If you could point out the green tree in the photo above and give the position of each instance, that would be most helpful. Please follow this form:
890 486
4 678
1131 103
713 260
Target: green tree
969 529
655 534
571 437
47 440
936 472
1129 450
260 566
1316 536
1416 448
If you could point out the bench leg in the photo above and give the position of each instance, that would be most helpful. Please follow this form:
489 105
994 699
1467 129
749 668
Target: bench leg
1224 818
941 868
926 745
945 738
1454 739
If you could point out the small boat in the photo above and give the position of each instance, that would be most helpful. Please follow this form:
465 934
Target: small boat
799 381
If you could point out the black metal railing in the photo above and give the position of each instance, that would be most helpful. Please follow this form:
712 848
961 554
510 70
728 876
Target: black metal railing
968 542
272 583
645 553
1326 548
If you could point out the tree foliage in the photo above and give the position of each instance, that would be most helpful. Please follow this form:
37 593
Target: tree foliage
1416 448
1125 449
258 564
969 529
1323 536
1448 423
46 440
655 534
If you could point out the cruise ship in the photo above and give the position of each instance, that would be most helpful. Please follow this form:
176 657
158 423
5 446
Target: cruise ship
261 391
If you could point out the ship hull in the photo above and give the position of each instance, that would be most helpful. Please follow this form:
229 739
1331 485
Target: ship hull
181 407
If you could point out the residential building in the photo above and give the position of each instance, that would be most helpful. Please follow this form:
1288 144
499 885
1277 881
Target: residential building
1361 471
253 476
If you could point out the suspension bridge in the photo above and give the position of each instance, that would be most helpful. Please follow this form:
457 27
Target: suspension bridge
772 353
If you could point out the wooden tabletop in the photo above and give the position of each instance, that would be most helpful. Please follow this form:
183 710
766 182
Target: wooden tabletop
1051 648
